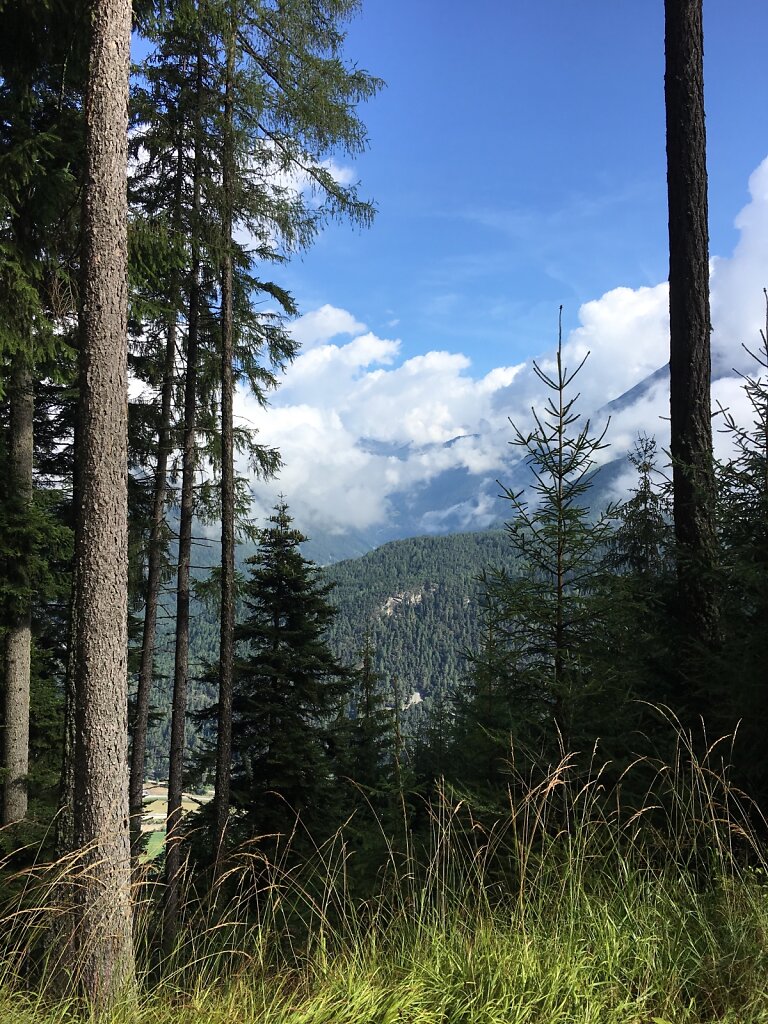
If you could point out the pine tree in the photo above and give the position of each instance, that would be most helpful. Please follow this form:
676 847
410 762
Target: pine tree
639 586
288 690
42 68
35 556
157 534
254 125
546 613
226 639
18 644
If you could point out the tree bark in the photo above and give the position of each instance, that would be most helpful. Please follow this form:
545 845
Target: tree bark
690 324
181 662
226 644
104 965
18 649
155 555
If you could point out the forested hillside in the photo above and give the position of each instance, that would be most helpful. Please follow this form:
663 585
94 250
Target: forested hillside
420 600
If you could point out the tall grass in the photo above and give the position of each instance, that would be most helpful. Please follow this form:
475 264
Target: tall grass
571 907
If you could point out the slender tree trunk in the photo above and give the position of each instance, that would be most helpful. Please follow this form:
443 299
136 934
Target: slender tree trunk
155 554
104 965
226 645
181 664
690 325
65 819
18 650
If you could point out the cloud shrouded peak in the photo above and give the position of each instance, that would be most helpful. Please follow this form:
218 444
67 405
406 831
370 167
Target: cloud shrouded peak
363 431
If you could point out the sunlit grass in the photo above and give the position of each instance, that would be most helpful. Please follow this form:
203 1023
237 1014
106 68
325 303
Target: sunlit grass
614 917
155 843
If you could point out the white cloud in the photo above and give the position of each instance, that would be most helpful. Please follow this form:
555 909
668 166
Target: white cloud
627 333
320 325
357 424
738 306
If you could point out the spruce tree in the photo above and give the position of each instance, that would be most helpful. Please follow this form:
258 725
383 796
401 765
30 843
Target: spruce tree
640 586
545 613
288 691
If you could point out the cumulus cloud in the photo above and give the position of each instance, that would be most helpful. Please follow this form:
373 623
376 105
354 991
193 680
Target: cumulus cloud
626 333
355 427
358 425
320 325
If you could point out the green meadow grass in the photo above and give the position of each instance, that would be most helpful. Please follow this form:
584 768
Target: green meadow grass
155 843
657 916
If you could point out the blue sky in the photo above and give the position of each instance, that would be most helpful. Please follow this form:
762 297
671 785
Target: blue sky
517 160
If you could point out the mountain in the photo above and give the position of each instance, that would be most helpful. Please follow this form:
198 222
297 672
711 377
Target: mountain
420 601
456 500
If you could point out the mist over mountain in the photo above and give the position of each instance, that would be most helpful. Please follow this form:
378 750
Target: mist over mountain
381 439
458 500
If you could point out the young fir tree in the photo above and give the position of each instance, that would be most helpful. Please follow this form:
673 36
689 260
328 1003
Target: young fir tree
491 715
366 729
288 691
546 617
639 582
364 740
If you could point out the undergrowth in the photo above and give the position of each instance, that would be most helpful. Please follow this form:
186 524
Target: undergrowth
571 908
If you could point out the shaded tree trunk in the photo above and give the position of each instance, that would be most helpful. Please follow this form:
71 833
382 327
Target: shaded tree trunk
18 649
103 958
181 662
64 842
155 554
226 644
690 324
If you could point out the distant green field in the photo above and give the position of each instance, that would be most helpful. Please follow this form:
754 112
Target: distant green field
154 844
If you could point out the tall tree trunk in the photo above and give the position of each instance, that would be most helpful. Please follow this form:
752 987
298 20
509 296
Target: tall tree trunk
181 663
690 325
226 644
64 841
18 649
155 554
104 966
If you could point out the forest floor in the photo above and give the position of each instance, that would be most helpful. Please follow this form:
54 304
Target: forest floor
650 953
659 917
